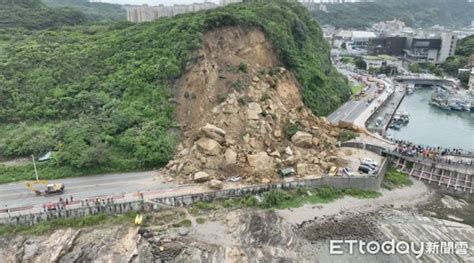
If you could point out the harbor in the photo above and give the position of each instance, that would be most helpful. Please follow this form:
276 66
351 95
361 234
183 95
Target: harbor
382 118
451 100
433 125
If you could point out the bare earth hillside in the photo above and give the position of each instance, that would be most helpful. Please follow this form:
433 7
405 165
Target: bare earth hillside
241 114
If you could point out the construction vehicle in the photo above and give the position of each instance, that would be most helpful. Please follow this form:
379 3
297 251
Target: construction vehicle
287 172
333 171
50 188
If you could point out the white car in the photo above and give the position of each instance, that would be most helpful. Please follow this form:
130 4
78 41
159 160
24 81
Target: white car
348 171
369 162
234 179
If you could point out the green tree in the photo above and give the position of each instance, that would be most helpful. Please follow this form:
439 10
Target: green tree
415 68
360 63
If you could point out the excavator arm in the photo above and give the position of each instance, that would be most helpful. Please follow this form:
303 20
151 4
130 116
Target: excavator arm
30 185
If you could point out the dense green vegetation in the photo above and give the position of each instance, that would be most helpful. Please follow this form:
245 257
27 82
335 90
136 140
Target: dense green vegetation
347 135
99 96
415 13
356 88
94 11
464 49
32 14
395 179
465 46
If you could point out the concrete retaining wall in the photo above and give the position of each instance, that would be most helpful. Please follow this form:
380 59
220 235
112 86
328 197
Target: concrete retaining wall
116 208
364 183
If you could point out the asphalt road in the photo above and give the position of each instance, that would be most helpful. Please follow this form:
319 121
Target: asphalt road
351 109
17 195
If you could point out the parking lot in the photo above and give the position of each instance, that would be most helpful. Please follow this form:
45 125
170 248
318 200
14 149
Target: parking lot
354 157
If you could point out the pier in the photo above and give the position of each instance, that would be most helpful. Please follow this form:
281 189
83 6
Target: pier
386 112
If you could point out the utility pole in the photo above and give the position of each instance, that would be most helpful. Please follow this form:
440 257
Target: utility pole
34 165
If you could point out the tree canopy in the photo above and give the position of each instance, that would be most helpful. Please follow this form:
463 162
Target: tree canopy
32 14
415 13
94 11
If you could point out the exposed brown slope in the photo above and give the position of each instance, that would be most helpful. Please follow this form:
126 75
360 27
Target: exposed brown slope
248 112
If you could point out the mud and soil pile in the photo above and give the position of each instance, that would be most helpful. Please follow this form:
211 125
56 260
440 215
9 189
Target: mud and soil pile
241 114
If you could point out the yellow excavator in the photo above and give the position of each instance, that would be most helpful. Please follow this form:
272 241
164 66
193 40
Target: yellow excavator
50 188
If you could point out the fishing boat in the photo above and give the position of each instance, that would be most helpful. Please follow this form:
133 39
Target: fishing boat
395 125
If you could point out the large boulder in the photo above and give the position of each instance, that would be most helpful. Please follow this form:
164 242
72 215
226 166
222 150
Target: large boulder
216 184
208 146
302 139
214 129
253 111
230 156
201 177
213 132
302 169
260 160
316 141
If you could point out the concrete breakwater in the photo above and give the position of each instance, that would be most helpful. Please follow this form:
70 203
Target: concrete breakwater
154 204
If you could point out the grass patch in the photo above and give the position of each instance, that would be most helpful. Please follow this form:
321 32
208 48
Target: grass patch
356 88
86 221
183 223
347 135
282 199
243 67
237 85
291 129
265 96
395 179
200 220
9 174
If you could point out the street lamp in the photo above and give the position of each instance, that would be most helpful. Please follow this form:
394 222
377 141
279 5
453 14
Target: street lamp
34 165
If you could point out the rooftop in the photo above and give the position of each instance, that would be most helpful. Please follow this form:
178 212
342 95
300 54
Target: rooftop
363 34
380 57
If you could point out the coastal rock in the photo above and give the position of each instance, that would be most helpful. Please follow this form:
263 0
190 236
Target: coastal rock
58 245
